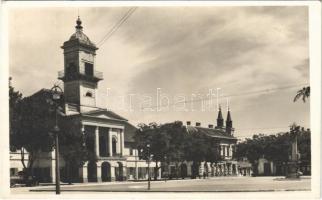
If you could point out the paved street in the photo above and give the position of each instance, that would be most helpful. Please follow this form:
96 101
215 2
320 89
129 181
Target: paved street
217 184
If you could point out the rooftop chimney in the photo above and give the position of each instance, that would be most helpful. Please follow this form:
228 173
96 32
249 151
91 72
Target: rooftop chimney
198 124
210 126
188 123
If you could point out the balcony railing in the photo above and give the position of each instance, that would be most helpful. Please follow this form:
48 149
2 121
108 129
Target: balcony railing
96 75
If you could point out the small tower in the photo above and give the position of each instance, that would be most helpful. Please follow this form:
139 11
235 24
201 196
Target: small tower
79 75
220 119
229 124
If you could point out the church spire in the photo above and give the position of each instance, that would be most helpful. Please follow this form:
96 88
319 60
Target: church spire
220 119
229 123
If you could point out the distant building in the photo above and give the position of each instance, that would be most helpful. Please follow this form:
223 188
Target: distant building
223 138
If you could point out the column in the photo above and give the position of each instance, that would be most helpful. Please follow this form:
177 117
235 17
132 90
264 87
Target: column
189 169
159 173
136 164
118 145
231 151
83 173
236 168
97 146
99 172
221 150
112 172
122 142
226 150
110 141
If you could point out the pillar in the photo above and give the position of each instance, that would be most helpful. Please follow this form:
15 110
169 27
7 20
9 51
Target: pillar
122 142
226 151
112 173
236 166
136 164
110 142
97 141
119 142
159 173
221 150
83 173
189 169
99 172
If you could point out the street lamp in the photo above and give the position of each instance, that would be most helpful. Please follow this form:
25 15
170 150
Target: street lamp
56 92
148 149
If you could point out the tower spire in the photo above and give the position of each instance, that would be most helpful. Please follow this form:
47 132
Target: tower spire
229 123
79 26
220 119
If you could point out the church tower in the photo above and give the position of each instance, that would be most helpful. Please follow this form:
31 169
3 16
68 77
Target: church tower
79 75
220 119
229 124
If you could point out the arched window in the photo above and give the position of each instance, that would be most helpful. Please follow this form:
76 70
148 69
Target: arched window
114 142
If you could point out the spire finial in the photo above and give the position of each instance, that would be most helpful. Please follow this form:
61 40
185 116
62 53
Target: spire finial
79 26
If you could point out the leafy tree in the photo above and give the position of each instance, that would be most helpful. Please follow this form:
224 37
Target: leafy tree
72 146
166 143
32 133
32 121
304 93
196 150
275 147
176 133
15 98
157 139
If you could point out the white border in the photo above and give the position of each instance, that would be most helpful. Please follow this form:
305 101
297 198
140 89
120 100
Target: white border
315 82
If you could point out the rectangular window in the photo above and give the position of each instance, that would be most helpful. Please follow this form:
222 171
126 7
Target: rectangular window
89 70
131 152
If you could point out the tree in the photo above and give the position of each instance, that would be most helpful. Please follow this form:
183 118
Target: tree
196 150
157 139
304 93
32 134
72 146
166 143
275 147
15 98
32 130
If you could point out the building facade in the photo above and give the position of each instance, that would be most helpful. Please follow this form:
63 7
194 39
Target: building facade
222 137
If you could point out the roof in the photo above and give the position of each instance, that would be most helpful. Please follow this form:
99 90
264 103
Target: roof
104 111
80 36
215 133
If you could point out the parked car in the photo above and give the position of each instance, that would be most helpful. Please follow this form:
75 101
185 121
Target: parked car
21 178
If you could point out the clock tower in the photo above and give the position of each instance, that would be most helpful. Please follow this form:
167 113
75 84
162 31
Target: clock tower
79 75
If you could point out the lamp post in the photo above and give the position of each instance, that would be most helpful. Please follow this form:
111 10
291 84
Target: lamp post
56 92
148 149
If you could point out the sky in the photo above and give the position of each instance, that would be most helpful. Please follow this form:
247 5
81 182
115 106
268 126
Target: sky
162 55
